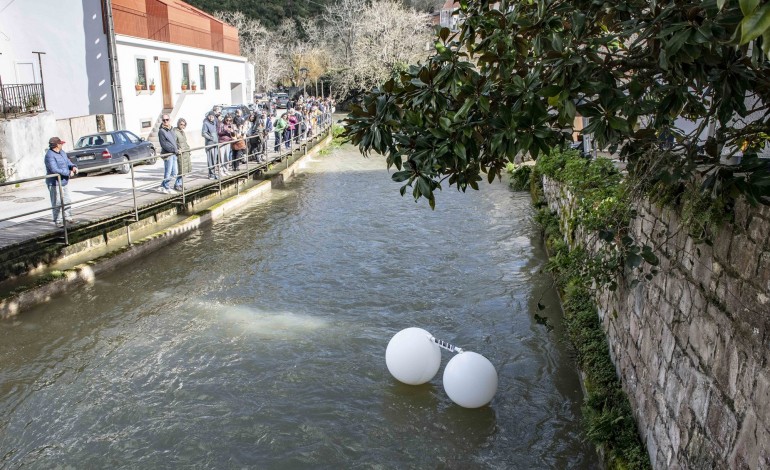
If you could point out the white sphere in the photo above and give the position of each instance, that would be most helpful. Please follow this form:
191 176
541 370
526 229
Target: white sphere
470 380
412 357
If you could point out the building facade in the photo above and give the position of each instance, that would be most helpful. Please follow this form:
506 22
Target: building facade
85 66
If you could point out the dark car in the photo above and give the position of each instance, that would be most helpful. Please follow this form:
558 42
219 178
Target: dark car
233 107
110 147
281 100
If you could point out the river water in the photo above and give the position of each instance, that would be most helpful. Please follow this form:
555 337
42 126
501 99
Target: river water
259 342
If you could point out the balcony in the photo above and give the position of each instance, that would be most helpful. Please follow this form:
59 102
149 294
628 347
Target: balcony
21 99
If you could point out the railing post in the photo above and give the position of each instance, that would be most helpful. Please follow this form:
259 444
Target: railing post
2 97
63 216
133 191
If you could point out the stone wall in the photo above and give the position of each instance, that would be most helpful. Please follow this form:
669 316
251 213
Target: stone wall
692 346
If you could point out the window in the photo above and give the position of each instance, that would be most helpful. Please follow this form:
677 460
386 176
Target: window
216 77
141 73
186 74
131 137
120 138
202 74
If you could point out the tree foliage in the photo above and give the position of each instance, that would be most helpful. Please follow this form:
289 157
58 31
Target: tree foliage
517 74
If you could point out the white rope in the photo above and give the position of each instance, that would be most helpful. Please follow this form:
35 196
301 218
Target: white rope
444 345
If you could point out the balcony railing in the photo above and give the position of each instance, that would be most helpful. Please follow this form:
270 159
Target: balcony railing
20 99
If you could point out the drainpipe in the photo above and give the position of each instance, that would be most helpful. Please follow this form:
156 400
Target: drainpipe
117 94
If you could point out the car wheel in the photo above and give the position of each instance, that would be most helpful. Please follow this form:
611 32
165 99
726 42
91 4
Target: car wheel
152 154
125 167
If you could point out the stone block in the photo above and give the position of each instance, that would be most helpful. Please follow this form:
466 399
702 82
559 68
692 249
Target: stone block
699 397
742 211
699 453
667 343
744 255
725 356
685 300
721 426
745 452
758 230
702 339
761 397
723 242
763 272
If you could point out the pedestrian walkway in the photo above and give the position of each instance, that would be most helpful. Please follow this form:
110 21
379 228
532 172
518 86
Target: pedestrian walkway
25 211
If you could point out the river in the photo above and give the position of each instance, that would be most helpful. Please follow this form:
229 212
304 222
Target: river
259 341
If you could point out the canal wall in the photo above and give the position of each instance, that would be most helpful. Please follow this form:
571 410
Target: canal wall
692 345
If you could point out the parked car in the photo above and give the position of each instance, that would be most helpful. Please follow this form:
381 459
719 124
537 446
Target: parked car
282 100
110 147
230 109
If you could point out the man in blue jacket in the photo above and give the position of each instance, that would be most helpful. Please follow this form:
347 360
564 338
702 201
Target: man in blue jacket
57 163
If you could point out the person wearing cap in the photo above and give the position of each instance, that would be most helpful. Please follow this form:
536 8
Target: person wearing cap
57 163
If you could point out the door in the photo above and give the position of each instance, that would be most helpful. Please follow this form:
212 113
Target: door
165 84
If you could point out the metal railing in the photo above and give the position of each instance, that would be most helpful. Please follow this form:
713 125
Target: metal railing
20 99
259 160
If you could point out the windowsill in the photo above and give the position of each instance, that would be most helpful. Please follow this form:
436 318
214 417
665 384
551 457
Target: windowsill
145 92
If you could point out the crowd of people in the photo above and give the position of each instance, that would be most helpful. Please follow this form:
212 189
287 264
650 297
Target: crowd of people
230 140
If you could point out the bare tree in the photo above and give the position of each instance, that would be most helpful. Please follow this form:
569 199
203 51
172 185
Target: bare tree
372 41
260 46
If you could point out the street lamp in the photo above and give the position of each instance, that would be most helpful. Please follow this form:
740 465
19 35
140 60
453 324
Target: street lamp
303 73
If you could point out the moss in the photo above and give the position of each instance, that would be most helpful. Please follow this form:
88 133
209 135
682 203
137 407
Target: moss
607 416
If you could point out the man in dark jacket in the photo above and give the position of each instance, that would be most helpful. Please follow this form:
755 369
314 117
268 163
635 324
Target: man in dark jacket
57 163
209 133
169 150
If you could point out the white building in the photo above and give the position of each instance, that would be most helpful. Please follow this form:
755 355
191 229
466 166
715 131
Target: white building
175 59
88 55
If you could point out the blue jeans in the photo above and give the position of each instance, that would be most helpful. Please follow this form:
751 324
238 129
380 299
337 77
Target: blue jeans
56 203
169 170
212 157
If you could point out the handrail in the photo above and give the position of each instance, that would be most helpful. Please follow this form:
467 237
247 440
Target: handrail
296 143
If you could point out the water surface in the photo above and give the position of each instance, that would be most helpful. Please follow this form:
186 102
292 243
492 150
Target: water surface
259 342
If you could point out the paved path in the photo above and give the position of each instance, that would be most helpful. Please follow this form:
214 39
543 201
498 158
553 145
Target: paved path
25 212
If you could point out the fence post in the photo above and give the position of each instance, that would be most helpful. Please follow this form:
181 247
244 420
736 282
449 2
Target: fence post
2 97
133 191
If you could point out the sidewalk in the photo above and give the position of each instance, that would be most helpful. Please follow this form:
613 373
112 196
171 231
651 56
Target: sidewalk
94 198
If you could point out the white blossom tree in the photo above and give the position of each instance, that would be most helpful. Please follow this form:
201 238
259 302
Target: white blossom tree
371 41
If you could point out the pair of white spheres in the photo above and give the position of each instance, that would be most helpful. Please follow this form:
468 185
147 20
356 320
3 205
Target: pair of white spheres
470 379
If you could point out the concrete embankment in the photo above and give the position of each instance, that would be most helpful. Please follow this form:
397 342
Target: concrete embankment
51 269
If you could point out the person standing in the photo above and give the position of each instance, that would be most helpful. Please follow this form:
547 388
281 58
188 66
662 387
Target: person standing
185 163
226 133
279 128
211 138
57 163
169 151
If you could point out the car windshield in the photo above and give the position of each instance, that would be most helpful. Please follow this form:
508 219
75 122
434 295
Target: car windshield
95 141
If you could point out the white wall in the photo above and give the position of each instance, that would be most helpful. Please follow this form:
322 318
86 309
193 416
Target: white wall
147 106
23 143
75 64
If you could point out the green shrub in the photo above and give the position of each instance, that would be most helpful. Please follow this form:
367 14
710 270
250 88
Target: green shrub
520 176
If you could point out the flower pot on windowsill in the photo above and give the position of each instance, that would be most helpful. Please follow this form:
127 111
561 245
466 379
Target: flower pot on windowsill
138 87
184 87
152 88
194 87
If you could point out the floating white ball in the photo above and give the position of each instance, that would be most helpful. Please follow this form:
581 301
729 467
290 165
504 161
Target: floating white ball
470 380
412 357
